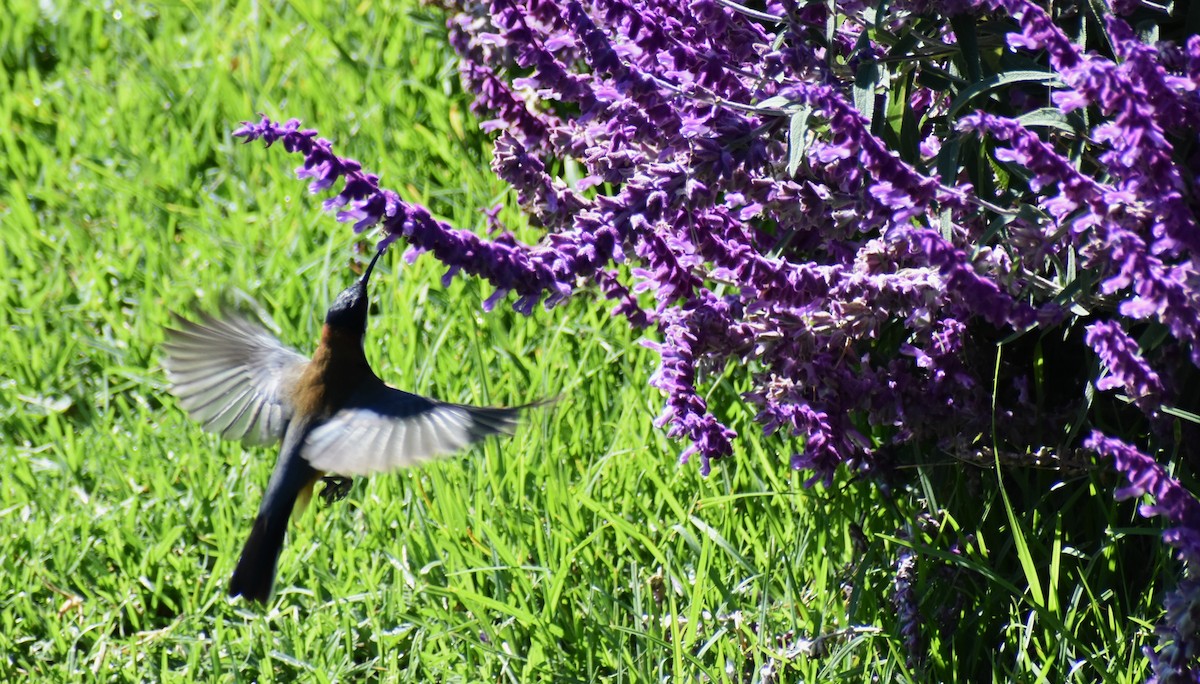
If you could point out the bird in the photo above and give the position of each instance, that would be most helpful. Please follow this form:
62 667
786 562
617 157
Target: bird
332 415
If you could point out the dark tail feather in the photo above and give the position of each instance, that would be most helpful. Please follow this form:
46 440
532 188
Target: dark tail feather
255 572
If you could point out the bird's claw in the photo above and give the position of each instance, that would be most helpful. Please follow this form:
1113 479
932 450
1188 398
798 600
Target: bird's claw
336 488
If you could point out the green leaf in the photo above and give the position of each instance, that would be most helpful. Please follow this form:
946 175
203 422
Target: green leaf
935 79
968 42
830 28
866 78
908 129
998 81
1051 117
947 160
798 138
777 102
1180 413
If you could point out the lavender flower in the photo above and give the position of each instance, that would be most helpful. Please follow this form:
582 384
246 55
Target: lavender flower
1178 655
1127 369
508 267
1171 499
1178 636
689 190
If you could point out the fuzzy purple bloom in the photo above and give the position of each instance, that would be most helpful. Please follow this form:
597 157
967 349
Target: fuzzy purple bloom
1175 659
362 201
743 199
1178 656
1127 369
863 290
1147 477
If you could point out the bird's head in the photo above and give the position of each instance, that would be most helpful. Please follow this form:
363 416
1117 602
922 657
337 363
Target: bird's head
349 310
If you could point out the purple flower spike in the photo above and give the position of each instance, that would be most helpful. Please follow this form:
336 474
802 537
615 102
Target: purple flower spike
505 265
721 177
1147 477
1178 655
1127 369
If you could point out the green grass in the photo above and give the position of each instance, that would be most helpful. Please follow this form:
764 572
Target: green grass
577 551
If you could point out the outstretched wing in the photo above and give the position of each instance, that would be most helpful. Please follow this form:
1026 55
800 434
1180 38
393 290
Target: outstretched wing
231 376
383 428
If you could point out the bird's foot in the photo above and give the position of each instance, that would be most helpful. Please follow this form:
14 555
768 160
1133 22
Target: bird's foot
336 488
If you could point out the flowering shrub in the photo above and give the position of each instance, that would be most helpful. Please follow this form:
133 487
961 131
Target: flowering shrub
961 226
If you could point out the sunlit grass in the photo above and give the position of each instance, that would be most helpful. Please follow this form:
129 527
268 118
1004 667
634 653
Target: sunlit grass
577 551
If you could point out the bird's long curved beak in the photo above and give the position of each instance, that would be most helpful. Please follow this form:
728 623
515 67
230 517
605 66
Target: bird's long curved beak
367 273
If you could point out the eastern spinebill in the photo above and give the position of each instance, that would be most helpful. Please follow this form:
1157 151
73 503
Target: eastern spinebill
334 416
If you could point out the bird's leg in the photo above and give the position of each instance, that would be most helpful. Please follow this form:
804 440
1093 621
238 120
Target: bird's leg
336 488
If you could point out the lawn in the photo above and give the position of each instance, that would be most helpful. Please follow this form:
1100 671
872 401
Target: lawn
579 550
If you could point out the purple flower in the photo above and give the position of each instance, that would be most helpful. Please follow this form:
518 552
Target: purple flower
507 266
1146 477
1178 651
1127 369
1178 655
860 288
686 333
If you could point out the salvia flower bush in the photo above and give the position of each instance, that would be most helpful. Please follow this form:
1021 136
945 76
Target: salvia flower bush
963 227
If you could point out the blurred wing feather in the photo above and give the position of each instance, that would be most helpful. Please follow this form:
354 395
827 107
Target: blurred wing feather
382 428
231 376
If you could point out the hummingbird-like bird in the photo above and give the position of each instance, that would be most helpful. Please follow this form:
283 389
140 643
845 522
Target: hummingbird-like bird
334 416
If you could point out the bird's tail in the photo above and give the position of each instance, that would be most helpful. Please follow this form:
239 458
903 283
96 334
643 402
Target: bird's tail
255 572
287 494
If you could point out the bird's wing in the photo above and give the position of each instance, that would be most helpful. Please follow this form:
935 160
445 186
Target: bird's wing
231 376
383 428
